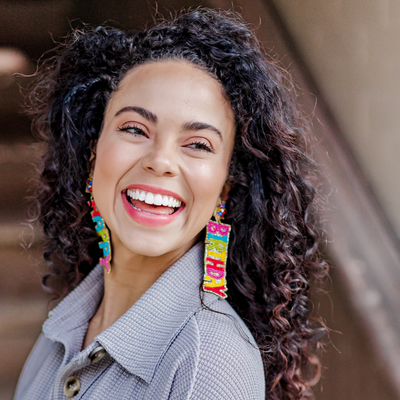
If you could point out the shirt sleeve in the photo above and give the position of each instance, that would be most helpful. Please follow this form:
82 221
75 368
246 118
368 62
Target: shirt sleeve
40 352
229 365
214 356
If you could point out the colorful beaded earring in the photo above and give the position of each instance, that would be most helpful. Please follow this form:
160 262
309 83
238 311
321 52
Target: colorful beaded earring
101 228
216 253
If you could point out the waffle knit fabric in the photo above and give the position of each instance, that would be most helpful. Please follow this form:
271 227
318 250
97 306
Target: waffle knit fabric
166 346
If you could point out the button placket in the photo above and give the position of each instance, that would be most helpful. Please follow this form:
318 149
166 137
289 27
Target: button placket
72 380
69 379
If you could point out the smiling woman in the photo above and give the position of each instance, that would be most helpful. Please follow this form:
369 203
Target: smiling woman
168 131
191 151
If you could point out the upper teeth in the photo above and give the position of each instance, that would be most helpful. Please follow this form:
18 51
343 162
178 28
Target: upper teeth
151 198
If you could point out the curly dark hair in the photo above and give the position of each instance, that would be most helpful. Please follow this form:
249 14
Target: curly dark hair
272 201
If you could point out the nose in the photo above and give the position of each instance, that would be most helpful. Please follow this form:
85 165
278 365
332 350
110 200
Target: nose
161 160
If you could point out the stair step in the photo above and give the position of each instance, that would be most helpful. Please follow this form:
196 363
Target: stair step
21 273
20 326
18 163
18 235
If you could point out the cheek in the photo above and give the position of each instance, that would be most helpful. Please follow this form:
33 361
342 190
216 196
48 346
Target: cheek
207 182
110 165
113 157
106 165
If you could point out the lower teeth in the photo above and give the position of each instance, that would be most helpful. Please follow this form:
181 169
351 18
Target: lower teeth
142 210
136 208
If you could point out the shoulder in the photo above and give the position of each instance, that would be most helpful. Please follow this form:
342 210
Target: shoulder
229 361
212 356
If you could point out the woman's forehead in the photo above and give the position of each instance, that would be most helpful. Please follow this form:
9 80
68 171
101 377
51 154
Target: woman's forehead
174 81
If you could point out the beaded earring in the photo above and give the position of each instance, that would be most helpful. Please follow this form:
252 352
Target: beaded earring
101 228
216 253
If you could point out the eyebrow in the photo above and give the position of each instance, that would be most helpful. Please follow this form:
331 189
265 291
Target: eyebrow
141 111
189 126
198 126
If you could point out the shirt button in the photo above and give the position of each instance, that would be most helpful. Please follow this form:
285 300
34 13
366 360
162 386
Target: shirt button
97 354
72 387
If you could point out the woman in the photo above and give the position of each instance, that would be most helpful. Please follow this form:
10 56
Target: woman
161 129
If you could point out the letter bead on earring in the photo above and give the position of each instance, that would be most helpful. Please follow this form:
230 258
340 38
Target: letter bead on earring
101 228
216 253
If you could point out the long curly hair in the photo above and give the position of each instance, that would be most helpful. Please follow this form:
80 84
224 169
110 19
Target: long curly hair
272 201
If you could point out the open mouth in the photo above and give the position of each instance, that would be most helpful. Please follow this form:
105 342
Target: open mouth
153 203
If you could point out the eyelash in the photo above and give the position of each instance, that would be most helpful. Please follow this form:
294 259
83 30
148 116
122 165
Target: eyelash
140 132
201 146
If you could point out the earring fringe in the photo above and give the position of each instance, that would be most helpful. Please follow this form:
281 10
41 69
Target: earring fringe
216 254
101 228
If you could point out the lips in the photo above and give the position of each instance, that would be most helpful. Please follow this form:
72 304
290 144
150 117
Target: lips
151 206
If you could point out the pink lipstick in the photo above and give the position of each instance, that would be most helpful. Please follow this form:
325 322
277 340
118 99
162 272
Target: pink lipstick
149 212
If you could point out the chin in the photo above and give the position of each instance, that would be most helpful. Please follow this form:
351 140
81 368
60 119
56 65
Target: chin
156 248
149 247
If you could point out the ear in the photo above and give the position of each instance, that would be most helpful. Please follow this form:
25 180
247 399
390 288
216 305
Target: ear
225 191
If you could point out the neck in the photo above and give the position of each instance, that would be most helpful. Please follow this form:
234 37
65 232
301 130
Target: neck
131 276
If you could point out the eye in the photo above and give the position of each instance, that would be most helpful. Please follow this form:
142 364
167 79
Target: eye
201 146
133 130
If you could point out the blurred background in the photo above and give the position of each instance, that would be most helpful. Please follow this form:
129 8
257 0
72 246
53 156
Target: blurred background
345 58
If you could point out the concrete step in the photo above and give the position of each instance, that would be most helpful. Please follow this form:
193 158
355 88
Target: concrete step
23 304
18 164
23 301
21 320
21 272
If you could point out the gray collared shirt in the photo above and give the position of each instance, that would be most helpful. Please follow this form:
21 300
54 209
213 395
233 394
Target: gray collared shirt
166 346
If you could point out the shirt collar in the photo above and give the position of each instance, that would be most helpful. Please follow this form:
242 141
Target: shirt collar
139 338
76 309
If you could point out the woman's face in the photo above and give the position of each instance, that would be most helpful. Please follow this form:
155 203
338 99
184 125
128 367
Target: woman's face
162 157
